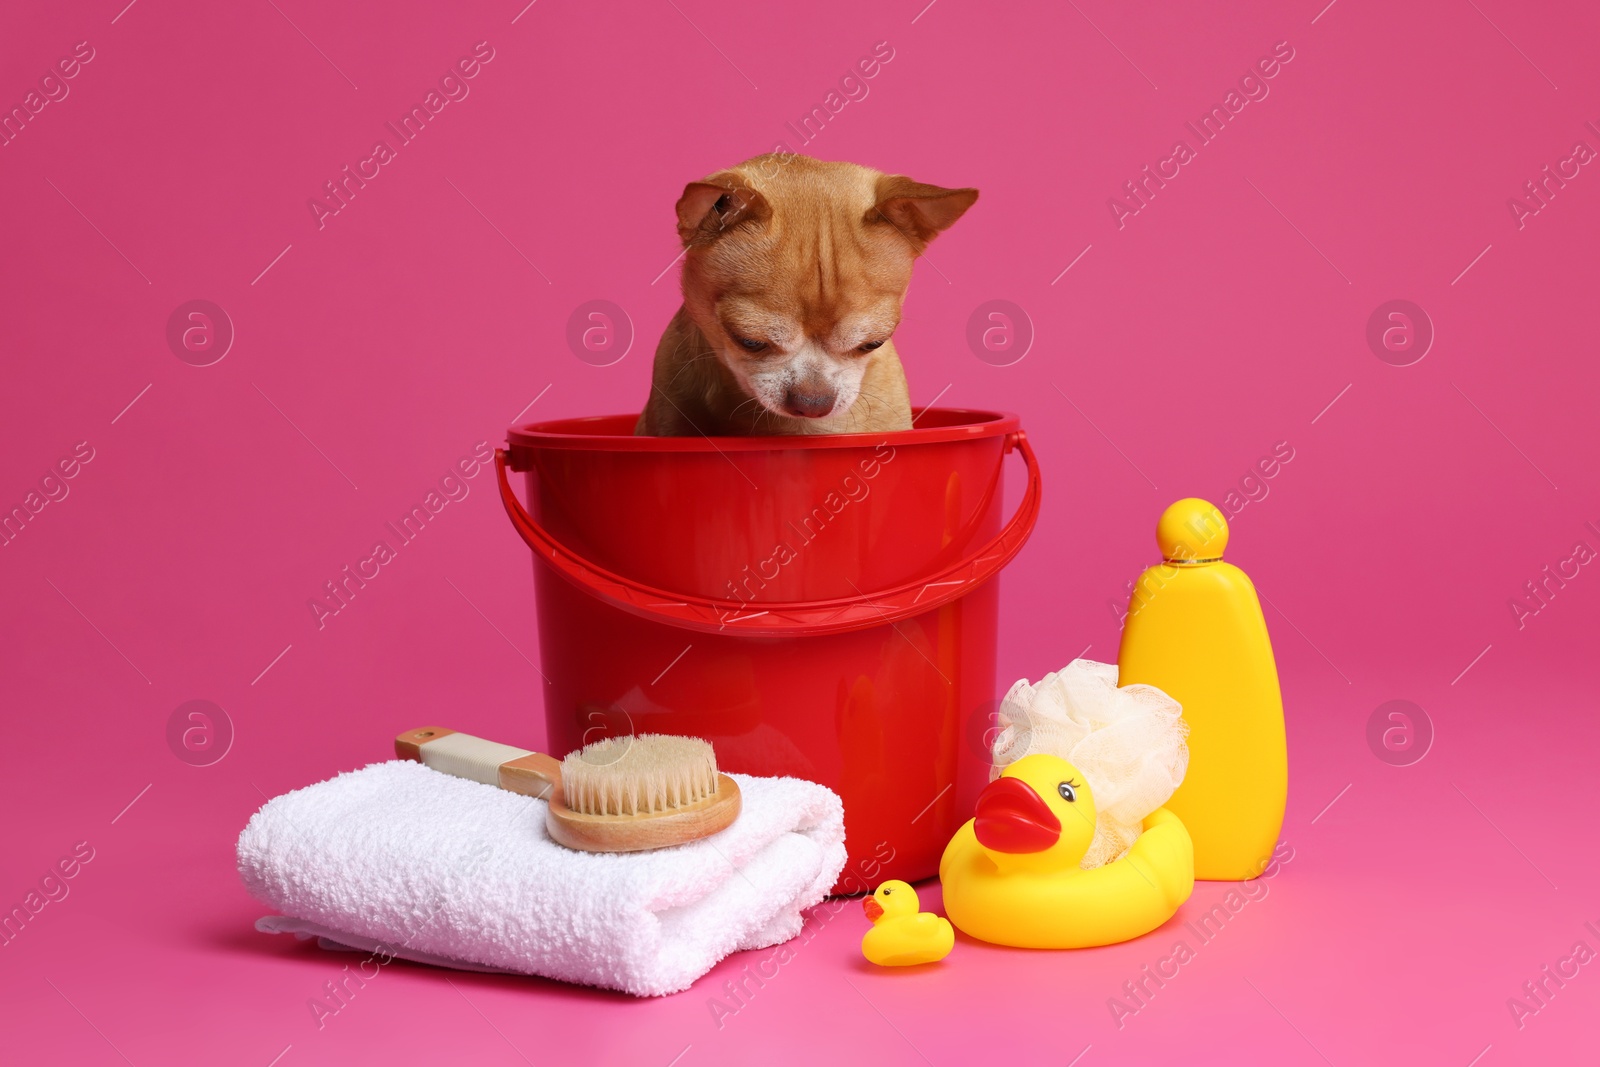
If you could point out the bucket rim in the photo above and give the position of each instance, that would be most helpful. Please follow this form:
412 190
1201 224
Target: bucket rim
598 433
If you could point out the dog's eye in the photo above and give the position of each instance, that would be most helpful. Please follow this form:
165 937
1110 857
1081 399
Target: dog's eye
750 346
870 346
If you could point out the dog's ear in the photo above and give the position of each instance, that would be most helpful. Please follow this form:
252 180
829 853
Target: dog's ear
921 212
710 208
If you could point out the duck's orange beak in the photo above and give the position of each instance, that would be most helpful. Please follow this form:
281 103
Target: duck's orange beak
873 909
1011 817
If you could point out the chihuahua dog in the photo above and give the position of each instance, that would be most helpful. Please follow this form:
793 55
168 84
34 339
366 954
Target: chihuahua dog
794 274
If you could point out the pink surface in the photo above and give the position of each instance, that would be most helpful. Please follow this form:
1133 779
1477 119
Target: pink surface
1169 354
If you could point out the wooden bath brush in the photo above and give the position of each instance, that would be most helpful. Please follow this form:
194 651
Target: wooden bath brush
622 794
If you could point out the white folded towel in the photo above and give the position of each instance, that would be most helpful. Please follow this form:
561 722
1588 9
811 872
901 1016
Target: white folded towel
402 859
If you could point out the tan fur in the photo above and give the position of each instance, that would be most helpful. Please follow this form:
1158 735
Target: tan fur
813 259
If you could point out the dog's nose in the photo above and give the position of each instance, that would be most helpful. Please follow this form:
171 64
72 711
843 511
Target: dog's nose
808 405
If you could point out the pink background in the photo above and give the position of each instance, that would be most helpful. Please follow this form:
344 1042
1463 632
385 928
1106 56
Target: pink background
1224 317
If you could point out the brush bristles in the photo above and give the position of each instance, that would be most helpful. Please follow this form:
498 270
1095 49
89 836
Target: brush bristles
638 775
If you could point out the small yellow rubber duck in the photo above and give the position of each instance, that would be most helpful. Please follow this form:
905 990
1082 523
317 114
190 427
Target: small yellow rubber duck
902 935
1011 874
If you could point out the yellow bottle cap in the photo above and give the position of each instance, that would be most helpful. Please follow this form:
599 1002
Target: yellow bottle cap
1192 531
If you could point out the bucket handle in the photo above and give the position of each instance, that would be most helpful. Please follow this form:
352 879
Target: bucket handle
808 618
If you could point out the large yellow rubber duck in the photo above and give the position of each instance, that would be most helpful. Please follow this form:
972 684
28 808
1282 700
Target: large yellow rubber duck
902 935
1011 874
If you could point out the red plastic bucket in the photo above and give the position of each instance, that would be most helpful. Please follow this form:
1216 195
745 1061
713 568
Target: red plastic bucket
822 607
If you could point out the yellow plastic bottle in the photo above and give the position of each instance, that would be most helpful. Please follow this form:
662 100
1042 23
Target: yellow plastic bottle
1195 630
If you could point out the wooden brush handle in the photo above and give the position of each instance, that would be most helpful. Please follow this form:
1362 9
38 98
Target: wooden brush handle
516 770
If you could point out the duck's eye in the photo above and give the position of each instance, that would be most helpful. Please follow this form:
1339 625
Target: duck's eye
870 346
1068 792
750 346
886 892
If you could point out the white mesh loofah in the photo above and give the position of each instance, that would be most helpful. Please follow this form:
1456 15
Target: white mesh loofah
1129 743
